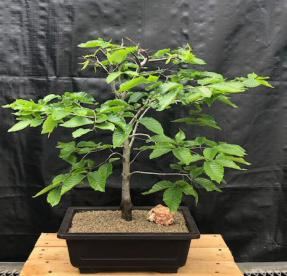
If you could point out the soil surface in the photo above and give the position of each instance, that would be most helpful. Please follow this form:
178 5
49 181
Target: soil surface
111 222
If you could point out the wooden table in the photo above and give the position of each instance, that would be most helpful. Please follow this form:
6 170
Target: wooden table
209 256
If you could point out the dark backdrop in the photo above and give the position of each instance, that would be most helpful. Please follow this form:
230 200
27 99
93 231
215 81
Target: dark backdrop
39 55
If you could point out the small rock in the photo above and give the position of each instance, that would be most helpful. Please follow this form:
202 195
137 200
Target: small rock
161 215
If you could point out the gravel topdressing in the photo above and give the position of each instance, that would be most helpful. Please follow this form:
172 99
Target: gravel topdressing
111 222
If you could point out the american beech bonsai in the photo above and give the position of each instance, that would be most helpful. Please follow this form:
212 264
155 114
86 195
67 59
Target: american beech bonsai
140 82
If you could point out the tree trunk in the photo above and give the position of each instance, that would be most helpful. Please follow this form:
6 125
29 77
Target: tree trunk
126 203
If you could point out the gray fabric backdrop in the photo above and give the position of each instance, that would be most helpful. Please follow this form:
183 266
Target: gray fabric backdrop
39 55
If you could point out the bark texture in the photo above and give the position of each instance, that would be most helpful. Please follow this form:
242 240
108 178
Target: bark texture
126 203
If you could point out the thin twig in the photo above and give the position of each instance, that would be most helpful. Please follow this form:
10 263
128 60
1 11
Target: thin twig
136 115
113 86
114 153
131 40
142 139
136 125
145 55
136 156
157 59
103 66
157 173
140 134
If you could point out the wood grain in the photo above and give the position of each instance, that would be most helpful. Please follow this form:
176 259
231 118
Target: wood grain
209 256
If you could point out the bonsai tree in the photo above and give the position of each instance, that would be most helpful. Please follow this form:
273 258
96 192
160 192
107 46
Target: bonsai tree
140 82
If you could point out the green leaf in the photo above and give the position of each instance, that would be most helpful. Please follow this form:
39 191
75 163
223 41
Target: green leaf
166 100
161 138
152 125
192 97
36 122
128 85
51 97
201 120
264 82
131 73
85 64
159 186
57 180
196 171
113 76
231 149
159 151
208 77
151 78
250 83
180 136
204 91
228 87
135 97
54 196
187 189
207 120
116 102
227 163
111 109
172 198
186 56
71 181
118 121
237 159
106 126
106 170
59 114
77 97
77 121
111 160
82 144
120 136
128 114
214 170
98 179
118 56
66 149
82 111
49 125
196 157
204 141
96 43
207 184
167 86
19 126
80 132
161 53
101 118
209 153
226 100
183 155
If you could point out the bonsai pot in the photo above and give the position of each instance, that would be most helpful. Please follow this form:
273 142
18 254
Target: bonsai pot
161 252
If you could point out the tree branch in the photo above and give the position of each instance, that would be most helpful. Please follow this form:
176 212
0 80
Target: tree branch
157 59
114 153
158 173
136 126
134 159
140 134
136 115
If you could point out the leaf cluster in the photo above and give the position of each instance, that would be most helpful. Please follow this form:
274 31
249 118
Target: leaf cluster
140 81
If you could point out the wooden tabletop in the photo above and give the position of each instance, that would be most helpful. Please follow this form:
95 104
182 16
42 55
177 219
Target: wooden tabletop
208 256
